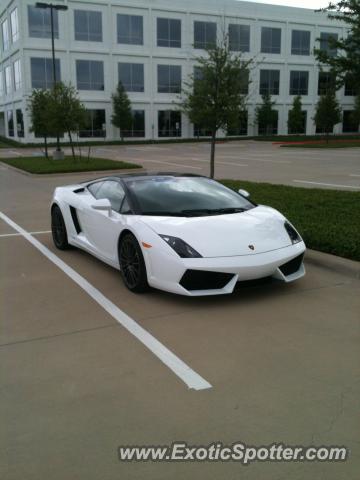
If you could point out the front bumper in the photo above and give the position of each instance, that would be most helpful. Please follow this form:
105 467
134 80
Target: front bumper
172 274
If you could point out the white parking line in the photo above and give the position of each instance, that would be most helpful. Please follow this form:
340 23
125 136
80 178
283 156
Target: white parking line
356 187
19 234
182 370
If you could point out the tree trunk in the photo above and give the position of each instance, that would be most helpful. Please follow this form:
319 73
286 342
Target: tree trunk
72 146
212 154
46 148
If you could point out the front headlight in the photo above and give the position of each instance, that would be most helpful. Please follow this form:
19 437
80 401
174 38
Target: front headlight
293 234
180 247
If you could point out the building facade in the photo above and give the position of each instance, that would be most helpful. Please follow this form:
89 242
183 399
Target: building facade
151 47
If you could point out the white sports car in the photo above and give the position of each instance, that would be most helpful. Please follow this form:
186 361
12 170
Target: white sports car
185 234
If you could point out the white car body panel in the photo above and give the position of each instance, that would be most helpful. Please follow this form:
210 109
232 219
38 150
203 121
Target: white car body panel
249 245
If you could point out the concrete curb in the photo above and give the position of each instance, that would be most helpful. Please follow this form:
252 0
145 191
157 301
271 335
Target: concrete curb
88 172
344 266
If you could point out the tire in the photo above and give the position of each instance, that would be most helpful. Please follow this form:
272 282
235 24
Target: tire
58 229
132 264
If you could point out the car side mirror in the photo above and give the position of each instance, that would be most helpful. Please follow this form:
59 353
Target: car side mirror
244 193
102 205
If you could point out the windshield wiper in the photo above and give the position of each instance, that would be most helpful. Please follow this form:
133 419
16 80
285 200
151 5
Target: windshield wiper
162 214
215 211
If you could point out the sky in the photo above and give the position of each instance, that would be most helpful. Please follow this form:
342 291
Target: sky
312 4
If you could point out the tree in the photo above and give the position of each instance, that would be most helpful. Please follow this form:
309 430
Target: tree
69 114
356 112
346 63
214 97
39 106
328 113
266 116
296 117
122 115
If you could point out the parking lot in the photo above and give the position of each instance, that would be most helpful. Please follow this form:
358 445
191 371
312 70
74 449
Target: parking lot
247 160
273 362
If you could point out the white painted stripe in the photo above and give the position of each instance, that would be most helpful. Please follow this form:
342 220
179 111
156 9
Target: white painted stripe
182 370
19 234
356 187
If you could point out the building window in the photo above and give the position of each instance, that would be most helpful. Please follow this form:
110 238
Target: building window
239 38
17 75
14 21
323 130
131 75
270 40
300 42
299 83
169 78
349 124
95 124
204 34
88 26
40 22
201 131
269 82
169 123
325 43
10 122
302 130
241 128
42 72
326 83
269 129
130 29
20 123
5 35
137 129
90 75
1 84
168 33
8 81
350 90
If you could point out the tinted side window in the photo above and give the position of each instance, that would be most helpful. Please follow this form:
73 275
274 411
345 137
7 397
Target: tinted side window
94 187
113 191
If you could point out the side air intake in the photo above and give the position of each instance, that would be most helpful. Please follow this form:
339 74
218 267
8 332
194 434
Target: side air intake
75 220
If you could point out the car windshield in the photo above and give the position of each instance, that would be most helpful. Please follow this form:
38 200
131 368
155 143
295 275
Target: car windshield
185 196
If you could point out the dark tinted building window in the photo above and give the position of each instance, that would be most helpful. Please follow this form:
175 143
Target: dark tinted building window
131 75
239 38
40 22
350 87
20 123
204 34
42 72
241 128
130 29
326 82
299 83
201 131
90 75
349 124
169 78
88 26
168 32
95 123
169 123
302 130
270 40
10 122
138 125
271 129
325 43
300 42
269 82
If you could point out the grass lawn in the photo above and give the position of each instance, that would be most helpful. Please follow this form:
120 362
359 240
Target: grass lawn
44 165
328 220
324 145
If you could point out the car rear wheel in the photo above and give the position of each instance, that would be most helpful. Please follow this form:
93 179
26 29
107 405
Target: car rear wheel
58 229
132 264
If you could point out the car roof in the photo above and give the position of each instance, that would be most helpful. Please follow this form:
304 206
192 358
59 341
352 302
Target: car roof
132 176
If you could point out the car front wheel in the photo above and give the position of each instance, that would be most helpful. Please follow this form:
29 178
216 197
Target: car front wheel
58 229
132 264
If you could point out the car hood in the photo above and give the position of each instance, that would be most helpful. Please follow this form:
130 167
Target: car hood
258 230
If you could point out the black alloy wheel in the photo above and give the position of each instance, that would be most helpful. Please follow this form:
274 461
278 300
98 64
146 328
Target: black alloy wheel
58 229
132 265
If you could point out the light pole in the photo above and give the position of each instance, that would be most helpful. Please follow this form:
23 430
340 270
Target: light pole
59 154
